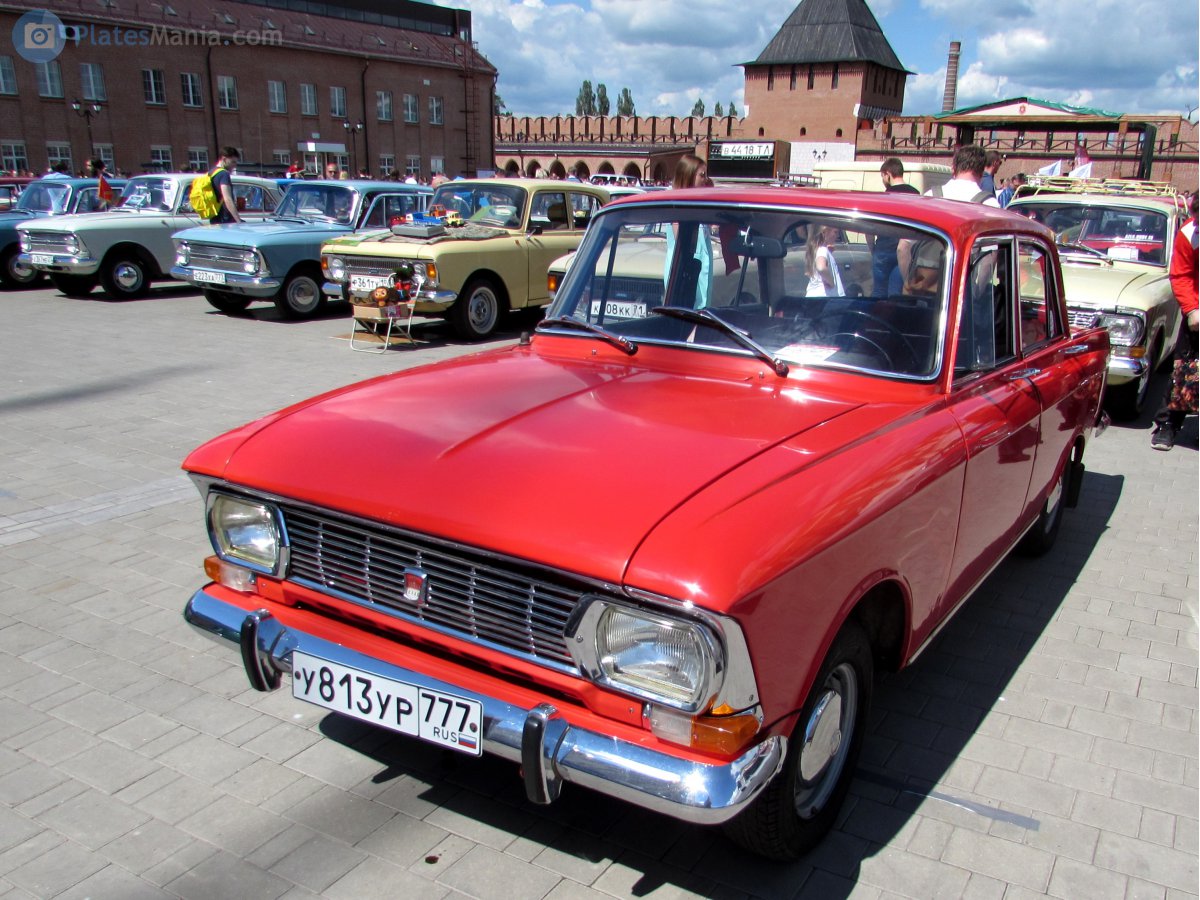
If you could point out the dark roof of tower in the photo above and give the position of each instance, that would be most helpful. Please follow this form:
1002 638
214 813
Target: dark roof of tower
829 31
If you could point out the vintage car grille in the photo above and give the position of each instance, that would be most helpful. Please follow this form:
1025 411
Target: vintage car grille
371 265
1081 317
47 241
223 259
470 595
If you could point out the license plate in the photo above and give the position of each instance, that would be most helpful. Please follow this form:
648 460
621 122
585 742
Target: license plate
368 283
619 309
41 259
434 716
208 277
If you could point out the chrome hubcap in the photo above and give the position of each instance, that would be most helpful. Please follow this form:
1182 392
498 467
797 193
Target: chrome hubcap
127 276
20 270
827 739
302 294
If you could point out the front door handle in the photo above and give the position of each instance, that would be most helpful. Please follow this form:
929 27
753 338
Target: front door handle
1022 373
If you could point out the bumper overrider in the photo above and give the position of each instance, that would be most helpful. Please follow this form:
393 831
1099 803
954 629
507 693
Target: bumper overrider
233 282
550 749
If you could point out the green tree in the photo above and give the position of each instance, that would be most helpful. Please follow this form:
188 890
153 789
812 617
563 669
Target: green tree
602 104
732 109
698 109
585 102
717 110
625 105
501 108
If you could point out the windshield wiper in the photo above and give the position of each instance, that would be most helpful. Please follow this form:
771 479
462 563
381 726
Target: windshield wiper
625 345
1073 247
705 317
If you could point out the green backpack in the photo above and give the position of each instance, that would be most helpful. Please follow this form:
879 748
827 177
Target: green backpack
203 195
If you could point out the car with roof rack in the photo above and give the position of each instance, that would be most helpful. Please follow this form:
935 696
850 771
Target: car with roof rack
1115 239
279 258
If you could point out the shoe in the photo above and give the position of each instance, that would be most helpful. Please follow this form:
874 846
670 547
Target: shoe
1163 437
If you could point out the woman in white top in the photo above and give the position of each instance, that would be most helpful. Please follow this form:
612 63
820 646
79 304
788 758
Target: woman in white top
824 279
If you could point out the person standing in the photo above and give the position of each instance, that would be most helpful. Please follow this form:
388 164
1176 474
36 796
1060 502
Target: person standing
104 192
991 168
1181 395
883 249
222 182
966 171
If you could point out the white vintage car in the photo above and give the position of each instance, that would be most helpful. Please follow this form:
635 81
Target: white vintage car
1115 240
124 250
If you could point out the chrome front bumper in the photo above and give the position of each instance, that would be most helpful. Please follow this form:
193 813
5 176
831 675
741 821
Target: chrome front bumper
61 263
234 283
1124 369
431 301
549 749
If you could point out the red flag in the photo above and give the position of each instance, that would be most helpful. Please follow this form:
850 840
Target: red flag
105 190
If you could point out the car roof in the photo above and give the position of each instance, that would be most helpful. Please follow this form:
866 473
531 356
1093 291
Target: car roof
359 184
530 184
1147 204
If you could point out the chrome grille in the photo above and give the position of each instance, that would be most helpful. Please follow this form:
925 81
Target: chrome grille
372 265
222 259
471 596
1081 318
47 241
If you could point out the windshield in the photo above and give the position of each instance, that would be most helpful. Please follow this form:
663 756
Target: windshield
149 192
318 202
498 205
801 284
45 197
1118 232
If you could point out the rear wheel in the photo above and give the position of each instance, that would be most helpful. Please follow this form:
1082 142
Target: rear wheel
300 297
1041 537
73 285
226 302
476 312
14 273
801 803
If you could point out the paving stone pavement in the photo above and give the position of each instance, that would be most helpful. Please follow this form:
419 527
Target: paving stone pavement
1044 746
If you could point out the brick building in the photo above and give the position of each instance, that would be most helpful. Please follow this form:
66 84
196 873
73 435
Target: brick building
162 84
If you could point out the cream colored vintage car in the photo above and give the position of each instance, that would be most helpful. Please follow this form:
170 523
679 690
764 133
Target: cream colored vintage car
1115 240
494 261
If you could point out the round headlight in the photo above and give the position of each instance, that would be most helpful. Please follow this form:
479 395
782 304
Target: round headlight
72 244
183 253
250 262
655 657
1123 330
26 243
244 531
336 266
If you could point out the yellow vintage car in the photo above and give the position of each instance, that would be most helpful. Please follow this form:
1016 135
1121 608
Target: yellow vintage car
495 261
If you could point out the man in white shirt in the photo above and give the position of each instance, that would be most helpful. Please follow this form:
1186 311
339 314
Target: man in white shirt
966 171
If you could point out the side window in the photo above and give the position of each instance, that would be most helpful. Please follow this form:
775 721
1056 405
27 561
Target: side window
1035 281
388 208
987 330
584 206
89 200
549 210
249 198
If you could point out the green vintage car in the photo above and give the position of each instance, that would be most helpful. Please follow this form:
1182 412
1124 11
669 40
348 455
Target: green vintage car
1115 240
471 273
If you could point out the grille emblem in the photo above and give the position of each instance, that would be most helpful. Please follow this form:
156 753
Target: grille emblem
416 587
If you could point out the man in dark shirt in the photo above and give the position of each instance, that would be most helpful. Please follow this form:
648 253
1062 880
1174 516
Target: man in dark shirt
883 250
223 185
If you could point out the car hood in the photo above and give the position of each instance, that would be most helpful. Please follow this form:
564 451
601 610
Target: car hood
100 220
256 234
1104 287
469 232
566 461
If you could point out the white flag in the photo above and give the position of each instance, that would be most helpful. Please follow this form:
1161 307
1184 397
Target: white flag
1055 168
1084 171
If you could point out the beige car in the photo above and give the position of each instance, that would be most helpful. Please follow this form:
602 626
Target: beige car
471 273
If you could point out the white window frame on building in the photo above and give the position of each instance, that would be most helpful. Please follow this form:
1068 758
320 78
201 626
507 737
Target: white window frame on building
105 152
412 166
341 160
227 97
49 79
436 111
437 165
13 157
337 102
308 100
198 159
8 77
91 81
57 152
281 157
160 158
193 96
412 109
387 162
154 90
383 106
277 96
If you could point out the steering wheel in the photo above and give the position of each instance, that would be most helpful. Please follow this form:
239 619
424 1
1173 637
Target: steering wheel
891 329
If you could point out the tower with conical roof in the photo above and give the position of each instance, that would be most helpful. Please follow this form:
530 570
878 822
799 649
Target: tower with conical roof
828 71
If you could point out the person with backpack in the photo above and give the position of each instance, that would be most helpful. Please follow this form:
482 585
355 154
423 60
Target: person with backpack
222 183
966 172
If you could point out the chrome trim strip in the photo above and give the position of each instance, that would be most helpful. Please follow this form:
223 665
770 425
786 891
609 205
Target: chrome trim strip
700 793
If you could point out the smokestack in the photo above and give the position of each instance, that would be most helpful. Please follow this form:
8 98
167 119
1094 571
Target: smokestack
950 97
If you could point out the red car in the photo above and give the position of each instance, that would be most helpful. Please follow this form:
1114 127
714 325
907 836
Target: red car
660 548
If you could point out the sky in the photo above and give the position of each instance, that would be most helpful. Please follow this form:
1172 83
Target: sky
1127 56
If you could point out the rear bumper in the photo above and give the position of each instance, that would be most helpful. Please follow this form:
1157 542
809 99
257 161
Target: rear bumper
550 750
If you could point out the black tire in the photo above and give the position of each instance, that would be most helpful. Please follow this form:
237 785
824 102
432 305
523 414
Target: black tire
1041 537
476 312
300 297
228 303
73 285
15 275
800 804
1129 400
125 277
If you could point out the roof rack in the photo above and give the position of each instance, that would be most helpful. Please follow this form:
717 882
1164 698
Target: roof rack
1123 187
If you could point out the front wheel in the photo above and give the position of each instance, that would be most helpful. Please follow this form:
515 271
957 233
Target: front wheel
228 303
476 312
1041 537
300 297
801 803
73 285
14 273
125 278
1127 401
